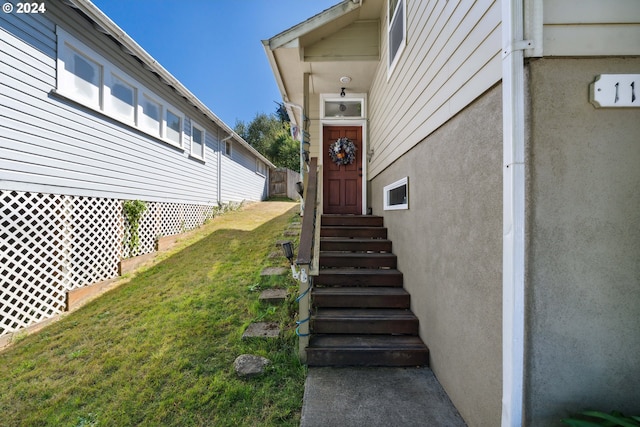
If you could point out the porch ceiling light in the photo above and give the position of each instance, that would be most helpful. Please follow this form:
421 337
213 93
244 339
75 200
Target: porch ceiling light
345 79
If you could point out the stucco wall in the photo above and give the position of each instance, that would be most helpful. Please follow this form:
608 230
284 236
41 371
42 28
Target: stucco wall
449 247
583 285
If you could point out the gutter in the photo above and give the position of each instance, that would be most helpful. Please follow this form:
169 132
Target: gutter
107 26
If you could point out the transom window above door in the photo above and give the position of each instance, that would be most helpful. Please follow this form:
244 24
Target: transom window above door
343 108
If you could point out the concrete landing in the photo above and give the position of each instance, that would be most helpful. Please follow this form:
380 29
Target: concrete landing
385 397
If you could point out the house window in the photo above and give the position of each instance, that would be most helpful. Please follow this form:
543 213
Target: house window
173 129
90 80
197 141
150 117
83 77
261 168
396 195
352 106
226 148
343 108
396 30
122 101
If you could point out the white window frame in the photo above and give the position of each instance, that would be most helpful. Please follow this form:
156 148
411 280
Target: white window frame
68 45
391 19
387 189
204 141
151 130
227 148
261 167
111 110
66 79
165 127
350 97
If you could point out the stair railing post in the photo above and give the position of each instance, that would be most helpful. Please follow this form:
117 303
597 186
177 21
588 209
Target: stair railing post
307 253
304 312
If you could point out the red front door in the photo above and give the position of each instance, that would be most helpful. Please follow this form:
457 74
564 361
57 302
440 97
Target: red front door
342 184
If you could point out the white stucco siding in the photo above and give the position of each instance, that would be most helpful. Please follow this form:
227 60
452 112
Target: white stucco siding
54 145
239 178
452 57
591 27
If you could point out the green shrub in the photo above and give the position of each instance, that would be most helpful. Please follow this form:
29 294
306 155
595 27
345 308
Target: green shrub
133 211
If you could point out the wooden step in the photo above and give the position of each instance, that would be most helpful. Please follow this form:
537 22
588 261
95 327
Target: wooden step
367 350
362 297
351 277
364 321
369 232
355 245
352 220
357 260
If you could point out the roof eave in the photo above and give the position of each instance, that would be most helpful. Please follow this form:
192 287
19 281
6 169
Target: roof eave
313 23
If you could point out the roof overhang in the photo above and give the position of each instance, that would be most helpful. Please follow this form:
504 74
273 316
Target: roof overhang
342 41
104 24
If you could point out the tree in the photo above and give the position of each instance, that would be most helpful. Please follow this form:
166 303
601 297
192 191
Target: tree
271 137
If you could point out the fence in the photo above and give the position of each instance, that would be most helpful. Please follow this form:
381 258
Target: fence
51 244
282 183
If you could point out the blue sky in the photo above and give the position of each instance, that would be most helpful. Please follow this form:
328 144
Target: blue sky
214 46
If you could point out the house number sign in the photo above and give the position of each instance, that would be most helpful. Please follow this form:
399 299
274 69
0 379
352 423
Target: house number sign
615 90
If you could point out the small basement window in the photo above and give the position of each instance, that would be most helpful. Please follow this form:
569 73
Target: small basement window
396 195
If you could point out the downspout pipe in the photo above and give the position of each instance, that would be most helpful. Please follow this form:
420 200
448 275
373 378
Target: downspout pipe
220 144
513 239
301 137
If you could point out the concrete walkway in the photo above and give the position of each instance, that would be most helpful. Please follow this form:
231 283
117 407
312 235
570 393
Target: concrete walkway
370 397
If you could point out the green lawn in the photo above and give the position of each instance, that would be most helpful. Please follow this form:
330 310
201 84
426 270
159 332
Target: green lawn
159 350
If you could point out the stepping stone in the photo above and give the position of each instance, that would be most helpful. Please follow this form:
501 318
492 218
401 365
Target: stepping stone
291 233
274 255
273 271
248 365
262 330
295 225
273 296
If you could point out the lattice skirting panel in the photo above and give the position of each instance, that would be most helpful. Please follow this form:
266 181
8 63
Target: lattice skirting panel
50 244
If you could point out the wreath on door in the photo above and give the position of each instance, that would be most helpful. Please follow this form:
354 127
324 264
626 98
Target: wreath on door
343 151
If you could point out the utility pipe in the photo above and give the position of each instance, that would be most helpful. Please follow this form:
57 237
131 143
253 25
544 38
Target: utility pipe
301 137
513 261
220 144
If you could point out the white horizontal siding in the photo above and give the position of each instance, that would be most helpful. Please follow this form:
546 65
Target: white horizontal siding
591 27
239 179
49 142
53 145
452 57
34 29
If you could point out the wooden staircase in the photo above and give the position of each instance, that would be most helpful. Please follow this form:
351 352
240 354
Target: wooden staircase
360 310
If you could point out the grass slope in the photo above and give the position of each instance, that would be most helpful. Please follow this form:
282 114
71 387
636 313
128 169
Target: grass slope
159 350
